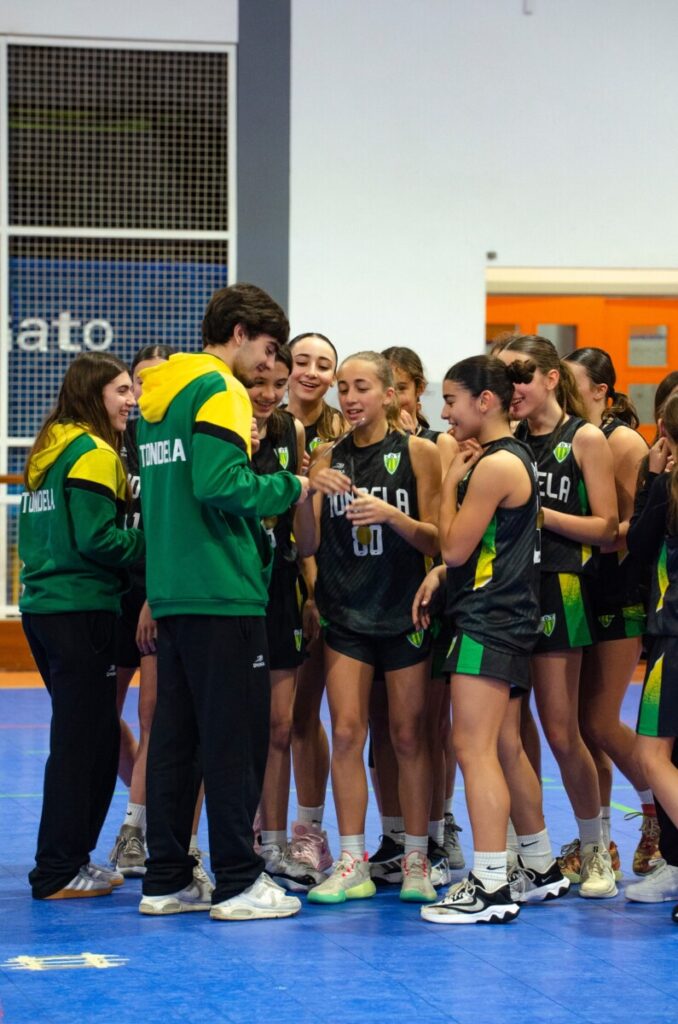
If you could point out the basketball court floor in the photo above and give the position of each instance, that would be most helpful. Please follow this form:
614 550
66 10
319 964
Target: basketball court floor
365 962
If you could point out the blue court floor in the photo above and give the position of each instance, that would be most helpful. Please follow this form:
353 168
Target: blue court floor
373 961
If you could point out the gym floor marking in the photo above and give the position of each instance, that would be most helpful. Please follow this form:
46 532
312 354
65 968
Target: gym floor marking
76 961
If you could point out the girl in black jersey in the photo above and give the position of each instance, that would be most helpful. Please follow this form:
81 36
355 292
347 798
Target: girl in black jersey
314 366
489 536
444 847
619 624
135 650
653 537
371 544
281 446
576 481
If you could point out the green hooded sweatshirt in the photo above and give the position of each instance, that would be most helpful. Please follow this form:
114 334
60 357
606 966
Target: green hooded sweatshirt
202 503
71 539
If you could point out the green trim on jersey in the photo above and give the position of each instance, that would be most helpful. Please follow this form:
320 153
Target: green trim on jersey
487 555
662 576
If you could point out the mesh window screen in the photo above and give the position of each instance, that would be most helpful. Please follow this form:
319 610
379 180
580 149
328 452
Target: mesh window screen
118 138
70 295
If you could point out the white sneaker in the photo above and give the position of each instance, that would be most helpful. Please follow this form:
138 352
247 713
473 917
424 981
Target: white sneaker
106 875
659 886
263 899
597 874
199 874
292 874
196 896
350 880
82 885
417 886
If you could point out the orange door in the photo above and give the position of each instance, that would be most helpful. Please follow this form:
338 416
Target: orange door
640 334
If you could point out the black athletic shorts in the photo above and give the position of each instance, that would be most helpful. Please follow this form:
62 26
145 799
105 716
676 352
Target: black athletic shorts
127 654
384 653
620 624
567 619
470 657
286 645
442 631
658 712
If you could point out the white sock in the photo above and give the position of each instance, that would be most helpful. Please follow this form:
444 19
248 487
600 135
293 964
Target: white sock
136 816
590 831
355 845
390 825
490 869
416 844
511 838
274 838
535 850
646 797
605 813
448 805
310 815
436 830
193 845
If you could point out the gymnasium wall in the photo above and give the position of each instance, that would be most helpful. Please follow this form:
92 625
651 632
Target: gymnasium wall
425 134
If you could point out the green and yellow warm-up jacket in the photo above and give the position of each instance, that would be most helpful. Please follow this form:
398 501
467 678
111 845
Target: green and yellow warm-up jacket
71 537
202 503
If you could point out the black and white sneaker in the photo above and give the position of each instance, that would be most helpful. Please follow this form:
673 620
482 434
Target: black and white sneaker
386 865
440 867
468 902
530 886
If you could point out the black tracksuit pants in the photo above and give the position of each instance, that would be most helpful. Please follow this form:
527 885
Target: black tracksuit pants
211 720
75 655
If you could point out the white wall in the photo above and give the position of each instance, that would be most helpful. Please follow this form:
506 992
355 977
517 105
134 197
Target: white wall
426 132
210 21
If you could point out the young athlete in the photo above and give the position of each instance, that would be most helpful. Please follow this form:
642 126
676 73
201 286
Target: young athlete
577 489
370 545
489 537
652 537
314 366
73 545
608 665
444 847
281 447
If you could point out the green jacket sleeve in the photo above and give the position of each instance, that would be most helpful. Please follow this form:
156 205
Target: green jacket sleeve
97 535
223 477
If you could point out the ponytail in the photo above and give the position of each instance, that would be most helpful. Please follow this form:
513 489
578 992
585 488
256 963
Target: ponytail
600 370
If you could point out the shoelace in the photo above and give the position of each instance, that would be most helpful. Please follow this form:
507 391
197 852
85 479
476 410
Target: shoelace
458 892
649 826
306 847
416 867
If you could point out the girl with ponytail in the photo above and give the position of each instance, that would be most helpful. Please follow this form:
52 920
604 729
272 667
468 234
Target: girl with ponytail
489 535
619 622
653 538
371 544
576 482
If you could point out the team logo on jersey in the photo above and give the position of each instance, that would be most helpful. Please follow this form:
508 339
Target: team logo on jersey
562 450
315 443
283 456
605 620
417 637
298 637
548 624
392 461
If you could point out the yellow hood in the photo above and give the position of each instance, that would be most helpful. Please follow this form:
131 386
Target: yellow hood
59 437
162 383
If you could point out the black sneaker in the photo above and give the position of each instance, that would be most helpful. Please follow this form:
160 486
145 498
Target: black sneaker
386 864
468 902
530 886
440 866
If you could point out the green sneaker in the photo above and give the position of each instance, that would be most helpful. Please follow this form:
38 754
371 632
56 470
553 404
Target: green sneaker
348 880
417 886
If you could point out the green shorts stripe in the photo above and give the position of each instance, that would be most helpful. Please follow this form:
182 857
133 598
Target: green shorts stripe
470 656
648 715
578 632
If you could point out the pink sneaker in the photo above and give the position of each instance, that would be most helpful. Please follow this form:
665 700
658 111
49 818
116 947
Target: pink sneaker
310 846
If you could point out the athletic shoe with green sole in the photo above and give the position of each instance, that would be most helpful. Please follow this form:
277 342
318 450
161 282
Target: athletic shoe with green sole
349 880
417 886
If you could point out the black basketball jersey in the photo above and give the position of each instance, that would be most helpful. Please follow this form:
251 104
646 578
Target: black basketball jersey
428 434
312 439
562 488
272 457
494 596
620 579
368 576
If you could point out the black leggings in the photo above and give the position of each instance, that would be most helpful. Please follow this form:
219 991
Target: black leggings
74 652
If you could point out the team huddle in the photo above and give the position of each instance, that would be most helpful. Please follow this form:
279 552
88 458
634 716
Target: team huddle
249 547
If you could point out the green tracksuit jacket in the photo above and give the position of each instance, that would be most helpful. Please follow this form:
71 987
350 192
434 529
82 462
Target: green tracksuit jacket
202 503
71 540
